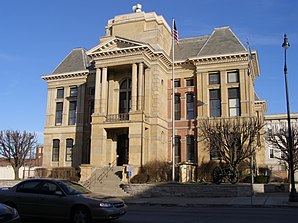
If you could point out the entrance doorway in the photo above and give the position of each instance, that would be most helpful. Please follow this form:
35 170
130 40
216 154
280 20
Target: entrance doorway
122 149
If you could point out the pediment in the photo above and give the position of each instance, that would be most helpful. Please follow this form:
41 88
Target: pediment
115 44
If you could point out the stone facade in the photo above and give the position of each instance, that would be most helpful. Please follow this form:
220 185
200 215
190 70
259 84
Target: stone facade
273 123
112 103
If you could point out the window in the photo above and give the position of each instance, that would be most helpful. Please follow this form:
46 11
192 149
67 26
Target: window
215 106
91 103
234 102
190 106
177 149
59 111
177 107
72 112
214 78
55 152
177 83
49 188
125 96
28 187
190 148
190 82
271 153
73 91
60 93
69 149
233 76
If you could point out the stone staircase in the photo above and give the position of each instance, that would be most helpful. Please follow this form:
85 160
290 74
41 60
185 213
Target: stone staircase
108 181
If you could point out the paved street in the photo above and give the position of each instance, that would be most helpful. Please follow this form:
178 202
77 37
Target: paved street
165 214
161 214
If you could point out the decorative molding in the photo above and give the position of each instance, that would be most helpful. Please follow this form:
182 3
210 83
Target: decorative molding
83 73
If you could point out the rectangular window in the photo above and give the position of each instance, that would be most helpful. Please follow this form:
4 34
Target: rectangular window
233 76
214 78
59 111
177 149
215 104
190 106
72 112
271 153
60 93
234 102
73 91
55 152
177 107
189 82
190 149
69 149
177 83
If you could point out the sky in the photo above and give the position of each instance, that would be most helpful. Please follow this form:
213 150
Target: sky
36 35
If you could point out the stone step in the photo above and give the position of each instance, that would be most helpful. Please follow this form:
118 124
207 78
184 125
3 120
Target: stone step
108 183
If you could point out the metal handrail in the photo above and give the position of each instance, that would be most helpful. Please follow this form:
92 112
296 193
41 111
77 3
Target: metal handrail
107 170
91 180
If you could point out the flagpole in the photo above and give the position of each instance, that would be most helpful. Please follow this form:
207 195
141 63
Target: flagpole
173 105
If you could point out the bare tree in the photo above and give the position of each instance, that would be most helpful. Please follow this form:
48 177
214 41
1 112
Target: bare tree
15 146
233 140
278 139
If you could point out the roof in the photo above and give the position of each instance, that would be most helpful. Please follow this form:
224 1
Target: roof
76 60
189 47
221 42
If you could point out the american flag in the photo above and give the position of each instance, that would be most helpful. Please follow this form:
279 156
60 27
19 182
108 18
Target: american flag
175 34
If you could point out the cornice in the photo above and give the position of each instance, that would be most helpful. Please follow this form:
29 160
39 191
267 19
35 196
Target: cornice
220 59
133 51
51 77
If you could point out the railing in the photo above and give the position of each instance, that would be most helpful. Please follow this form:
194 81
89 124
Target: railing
95 178
117 117
91 180
107 170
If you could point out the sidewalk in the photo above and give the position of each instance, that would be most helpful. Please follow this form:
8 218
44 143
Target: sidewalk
264 200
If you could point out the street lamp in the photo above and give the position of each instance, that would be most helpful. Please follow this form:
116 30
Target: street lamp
293 194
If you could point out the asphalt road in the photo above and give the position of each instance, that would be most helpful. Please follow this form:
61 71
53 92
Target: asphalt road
163 214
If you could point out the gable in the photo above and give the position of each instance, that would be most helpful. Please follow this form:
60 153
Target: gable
114 44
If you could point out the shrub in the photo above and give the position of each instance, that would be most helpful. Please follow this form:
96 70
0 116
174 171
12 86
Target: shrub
204 171
68 173
140 178
262 179
41 172
257 179
154 171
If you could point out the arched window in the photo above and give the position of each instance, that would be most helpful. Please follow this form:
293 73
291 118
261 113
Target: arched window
125 96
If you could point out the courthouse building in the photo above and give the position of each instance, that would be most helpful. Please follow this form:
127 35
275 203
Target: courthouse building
112 103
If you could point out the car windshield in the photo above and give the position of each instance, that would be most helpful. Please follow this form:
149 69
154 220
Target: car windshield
72 188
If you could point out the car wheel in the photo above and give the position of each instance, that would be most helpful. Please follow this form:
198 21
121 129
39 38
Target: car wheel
80 215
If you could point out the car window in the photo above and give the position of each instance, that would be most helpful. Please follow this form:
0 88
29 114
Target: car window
48 188
72 188
28 187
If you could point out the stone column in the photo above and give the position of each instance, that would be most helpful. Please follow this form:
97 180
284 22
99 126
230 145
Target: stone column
140 86
104 85
224 94
134 88
97 91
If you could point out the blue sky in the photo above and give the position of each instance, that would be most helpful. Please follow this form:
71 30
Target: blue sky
35 35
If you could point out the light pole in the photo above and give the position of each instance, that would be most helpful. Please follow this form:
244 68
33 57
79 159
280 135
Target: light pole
293 194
